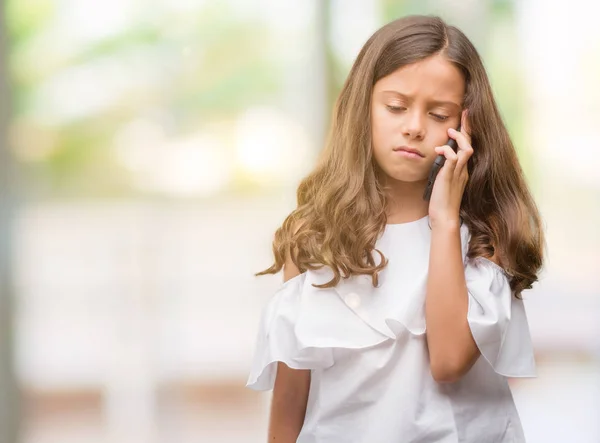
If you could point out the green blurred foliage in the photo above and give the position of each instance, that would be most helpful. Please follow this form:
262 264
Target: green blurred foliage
211 64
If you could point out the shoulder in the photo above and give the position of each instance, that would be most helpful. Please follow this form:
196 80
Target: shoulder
290 269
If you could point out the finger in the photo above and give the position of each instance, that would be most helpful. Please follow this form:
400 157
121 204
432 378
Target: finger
450 155
463 175
463 157
466 173
465 150
447 152
461 139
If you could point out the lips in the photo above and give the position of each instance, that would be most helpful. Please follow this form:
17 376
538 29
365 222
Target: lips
409 149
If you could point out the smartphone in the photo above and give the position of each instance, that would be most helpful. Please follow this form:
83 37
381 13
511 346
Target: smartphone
437 165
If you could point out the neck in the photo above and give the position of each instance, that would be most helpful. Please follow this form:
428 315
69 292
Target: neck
405 201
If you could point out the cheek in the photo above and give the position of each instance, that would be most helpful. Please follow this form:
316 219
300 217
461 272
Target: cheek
440 137
382 126
382 139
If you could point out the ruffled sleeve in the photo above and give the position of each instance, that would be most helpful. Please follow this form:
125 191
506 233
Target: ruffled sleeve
278 340
302 325
498 320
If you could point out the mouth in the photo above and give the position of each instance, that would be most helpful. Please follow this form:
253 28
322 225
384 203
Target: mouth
409 152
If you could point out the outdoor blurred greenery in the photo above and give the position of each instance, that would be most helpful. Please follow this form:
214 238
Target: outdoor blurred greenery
182 71
79 89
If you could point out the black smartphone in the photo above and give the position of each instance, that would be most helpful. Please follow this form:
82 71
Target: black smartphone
437 165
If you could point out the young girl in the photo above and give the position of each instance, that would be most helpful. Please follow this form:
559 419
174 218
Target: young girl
400 318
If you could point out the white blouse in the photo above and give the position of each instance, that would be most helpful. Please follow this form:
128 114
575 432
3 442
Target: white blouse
366 348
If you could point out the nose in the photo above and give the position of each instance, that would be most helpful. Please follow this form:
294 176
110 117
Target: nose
413 126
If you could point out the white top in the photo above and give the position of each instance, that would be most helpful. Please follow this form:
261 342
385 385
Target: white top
366 348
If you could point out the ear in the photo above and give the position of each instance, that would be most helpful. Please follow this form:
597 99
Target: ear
465 128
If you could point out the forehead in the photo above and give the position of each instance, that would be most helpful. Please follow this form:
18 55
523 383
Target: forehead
434 78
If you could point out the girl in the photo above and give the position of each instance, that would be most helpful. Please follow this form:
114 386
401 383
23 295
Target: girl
400 318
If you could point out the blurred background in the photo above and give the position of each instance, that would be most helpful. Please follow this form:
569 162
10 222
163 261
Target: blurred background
150 148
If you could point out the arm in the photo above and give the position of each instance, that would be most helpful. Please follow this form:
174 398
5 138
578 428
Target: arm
452 349
288 405
290 394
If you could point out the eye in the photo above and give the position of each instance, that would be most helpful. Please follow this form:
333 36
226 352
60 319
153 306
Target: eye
395 108
439 117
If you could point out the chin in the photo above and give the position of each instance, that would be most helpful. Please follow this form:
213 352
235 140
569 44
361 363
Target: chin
406 176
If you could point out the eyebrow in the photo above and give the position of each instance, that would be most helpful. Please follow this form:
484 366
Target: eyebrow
434 102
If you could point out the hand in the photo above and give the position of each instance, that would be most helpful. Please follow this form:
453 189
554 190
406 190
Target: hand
449 186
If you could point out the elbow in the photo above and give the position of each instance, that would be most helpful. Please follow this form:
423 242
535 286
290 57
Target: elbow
449 371
449 364
445 375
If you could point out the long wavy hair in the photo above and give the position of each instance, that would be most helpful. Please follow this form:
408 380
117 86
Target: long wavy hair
341 205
